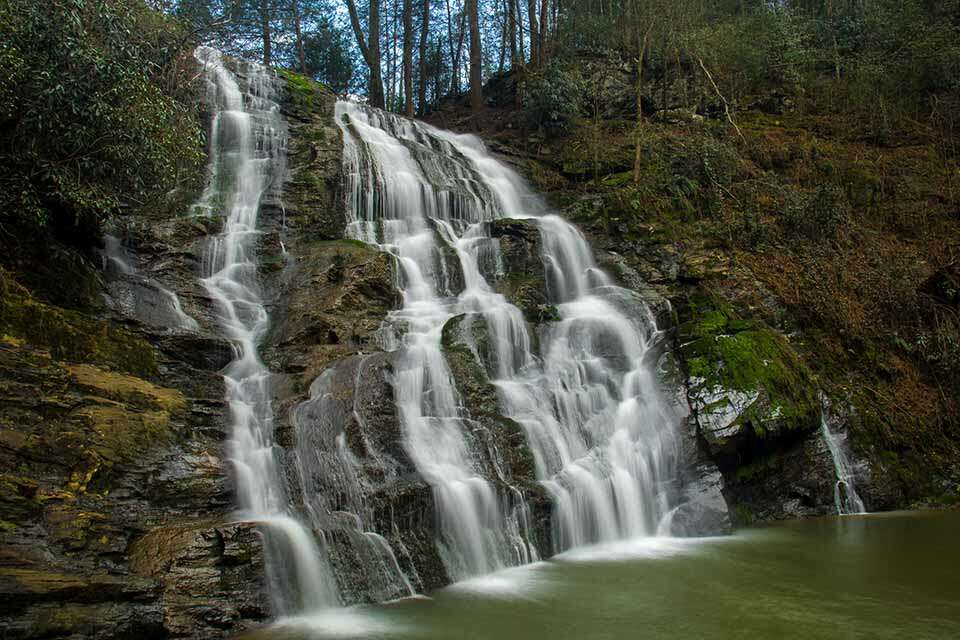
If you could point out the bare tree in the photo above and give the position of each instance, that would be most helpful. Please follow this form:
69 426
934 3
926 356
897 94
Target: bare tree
424 36
370 50
543 32
408 58
476 77
295 10
534 33
265 31
512 31
456 48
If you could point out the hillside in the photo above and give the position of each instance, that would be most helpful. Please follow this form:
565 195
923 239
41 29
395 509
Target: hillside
802 221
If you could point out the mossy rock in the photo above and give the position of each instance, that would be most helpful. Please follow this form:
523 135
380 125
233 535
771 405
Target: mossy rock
748 386
305 93
480 396
69 335
68 429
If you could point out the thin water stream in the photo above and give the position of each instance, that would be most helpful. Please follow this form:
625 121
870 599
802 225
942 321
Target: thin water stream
248 155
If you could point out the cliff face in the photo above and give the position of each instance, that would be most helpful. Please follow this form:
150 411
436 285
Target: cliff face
115 499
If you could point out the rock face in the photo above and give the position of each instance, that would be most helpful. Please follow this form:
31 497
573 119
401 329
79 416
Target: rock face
757 409
106 438
115 502
357 476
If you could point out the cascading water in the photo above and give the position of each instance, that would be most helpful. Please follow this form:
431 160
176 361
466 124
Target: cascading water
248 151
393 166
845 496
602 437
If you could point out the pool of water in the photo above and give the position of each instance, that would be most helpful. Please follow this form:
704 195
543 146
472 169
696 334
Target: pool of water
874 576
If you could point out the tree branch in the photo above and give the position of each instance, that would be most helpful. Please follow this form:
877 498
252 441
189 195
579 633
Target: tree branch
726 105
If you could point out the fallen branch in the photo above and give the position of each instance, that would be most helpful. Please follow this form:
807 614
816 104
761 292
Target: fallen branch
726 105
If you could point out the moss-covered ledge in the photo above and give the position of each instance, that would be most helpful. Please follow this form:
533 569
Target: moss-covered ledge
749 390
312 194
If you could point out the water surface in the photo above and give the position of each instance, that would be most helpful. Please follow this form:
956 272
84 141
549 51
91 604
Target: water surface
874 576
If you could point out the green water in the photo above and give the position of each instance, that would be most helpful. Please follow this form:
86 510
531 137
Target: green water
877 576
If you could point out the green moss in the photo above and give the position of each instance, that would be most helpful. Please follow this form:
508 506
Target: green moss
759 469
70 335
747 356
480 397
618 179
304 92
528 293
356 243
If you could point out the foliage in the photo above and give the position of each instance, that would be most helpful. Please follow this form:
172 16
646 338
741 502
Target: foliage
816 215
552 98
96 114
748 356
327 53
771 45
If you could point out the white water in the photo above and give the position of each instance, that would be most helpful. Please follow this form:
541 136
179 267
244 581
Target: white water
602 437
248 154
845 495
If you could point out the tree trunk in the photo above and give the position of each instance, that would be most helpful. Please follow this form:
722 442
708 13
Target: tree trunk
437 85
476 78
456 57
265 31
522 59
424 35
408 57
391 40
638 132
543 32
534 33
453 63
370 50
512 31
295 8
504 36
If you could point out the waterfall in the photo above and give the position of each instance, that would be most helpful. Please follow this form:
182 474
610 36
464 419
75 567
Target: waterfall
585 391
247 161
845 496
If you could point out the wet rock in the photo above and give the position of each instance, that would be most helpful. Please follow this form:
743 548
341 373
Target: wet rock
464 339
331 301
51 603
703 510
96 455
756 408
209 573
747 388
794 482
114 491
313 192
522 281
349 446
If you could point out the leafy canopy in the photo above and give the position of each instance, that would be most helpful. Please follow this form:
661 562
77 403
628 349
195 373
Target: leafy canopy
96 110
